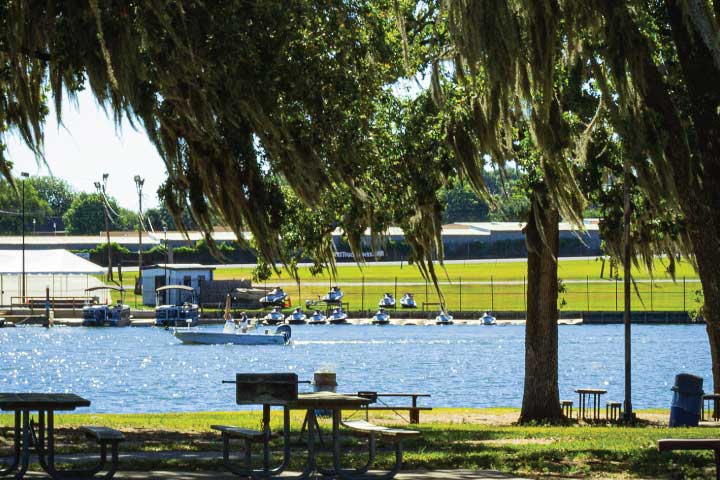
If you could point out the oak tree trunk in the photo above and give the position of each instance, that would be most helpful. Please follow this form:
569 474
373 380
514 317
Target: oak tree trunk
541 396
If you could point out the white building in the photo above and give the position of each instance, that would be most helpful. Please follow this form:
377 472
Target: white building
189 275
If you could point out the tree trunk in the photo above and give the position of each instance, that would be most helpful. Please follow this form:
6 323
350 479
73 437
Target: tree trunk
541 397
701 199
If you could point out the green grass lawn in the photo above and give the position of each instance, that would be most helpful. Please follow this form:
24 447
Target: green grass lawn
584 288
454 441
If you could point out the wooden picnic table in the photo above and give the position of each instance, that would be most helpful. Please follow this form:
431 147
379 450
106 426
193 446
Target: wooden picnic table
714 400
280 389
23 404
583 396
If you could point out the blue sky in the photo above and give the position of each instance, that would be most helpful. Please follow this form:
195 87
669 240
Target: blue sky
88 145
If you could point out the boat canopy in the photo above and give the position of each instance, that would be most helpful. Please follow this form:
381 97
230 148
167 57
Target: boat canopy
175 287
105 287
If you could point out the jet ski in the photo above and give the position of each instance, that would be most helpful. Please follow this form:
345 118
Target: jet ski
407 301
297 317
381 317
276 297
443 319
488 319
388 301
338 317
274 317
333 296
317 318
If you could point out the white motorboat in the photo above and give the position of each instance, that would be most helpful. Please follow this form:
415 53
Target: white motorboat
274 317
234 334
338 316
276 297
488 319
408 301
281 336
388 301
297 317
317 318
443 319
381 317
333 296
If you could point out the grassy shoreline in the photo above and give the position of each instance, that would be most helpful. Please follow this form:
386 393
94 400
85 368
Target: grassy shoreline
452 438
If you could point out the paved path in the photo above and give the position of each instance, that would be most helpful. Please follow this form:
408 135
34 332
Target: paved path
410 475
205 456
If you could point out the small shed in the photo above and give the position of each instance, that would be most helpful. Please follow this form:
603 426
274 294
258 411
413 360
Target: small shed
188 274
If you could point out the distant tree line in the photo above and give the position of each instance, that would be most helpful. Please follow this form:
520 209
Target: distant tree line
53 205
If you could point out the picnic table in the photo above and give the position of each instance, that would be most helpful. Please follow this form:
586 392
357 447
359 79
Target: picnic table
711 399
43 441
584 394
277 390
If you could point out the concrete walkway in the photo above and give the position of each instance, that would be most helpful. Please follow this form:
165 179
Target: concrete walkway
410 475
223 475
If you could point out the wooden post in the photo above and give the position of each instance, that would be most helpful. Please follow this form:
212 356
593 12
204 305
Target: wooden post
492 294
460 293
395 287
616 294
587 291
651 295
362 294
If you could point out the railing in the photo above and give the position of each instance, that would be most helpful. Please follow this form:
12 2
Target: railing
40 303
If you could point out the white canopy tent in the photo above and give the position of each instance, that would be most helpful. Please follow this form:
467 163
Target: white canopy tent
63 272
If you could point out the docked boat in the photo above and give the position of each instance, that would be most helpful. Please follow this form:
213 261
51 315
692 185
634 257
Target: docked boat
317 318
388 301
176 306
105 315
4 324
234 334
297 317
408 301
381 317
488 319
276 297
274 317
338 316
333 296
443 319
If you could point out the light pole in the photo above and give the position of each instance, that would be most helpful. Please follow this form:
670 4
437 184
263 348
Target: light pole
628 415
22 280
33 226
139 182
102 189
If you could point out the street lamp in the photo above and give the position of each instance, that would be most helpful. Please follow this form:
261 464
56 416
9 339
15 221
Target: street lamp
139 182
102 189
22 280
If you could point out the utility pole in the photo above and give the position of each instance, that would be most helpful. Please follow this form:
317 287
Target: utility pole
139 182
102 189
23 287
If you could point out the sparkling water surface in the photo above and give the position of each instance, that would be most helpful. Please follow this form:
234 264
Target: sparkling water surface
148 370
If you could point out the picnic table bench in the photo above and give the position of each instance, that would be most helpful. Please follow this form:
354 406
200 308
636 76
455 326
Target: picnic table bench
413 409
670 444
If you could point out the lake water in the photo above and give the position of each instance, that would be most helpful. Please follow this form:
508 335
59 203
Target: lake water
148 370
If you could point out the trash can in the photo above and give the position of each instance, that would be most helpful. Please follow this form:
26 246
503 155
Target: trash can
687 400
324 381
